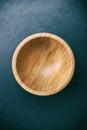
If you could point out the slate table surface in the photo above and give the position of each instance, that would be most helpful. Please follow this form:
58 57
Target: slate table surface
19 109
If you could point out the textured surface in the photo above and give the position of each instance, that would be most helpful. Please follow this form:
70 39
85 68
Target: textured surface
66 110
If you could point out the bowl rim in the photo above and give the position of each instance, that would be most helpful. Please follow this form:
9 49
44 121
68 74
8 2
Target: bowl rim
16 52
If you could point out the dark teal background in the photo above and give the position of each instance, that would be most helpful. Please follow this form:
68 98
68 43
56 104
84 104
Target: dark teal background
66 110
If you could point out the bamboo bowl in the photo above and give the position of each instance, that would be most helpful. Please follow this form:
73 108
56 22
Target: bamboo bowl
43 64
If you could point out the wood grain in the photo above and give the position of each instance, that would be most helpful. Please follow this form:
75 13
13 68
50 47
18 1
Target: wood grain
43 64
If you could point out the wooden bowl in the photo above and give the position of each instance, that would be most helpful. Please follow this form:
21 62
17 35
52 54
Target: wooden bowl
43 64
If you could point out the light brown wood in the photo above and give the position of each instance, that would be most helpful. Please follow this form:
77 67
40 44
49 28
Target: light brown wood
43 64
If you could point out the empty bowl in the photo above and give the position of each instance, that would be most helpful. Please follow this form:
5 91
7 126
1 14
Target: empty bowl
43 64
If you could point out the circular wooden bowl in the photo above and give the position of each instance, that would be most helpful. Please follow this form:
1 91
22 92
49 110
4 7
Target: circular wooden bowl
43 64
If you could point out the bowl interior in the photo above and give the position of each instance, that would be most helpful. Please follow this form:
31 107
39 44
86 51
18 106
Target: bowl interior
43 64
